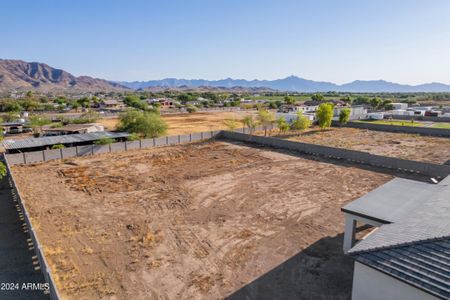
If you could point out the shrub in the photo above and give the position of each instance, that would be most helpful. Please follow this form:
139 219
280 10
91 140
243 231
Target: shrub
282 125
250 122
231 124
266 119
324 115
301 123
133 137
104 141
3 170
144 124
89 117
344 116
191 109
58 146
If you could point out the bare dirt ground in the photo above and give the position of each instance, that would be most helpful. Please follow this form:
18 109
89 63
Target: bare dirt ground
198 221
188 123
400 145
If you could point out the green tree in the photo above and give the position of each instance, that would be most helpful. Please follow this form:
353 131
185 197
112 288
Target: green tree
375 102
266 119
133 137
278 103
58 146
344 116
347 99
184 98
231 124
3 170
145 124
250 122
301 122
191 109
324 115
317 97
289 100
282 125
361 100
135 102
37 122
84 102
13 106
104 140
30 105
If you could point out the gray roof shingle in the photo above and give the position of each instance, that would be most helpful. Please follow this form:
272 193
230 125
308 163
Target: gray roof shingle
425 265
414 245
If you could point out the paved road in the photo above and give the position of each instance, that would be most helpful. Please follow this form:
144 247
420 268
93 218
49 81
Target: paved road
16 260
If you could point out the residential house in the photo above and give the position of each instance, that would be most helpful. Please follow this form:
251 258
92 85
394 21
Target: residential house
111 104
407 254
73 129
400 106
12 127
165 103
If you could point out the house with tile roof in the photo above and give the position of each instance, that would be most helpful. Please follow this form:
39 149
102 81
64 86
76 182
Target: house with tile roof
407 255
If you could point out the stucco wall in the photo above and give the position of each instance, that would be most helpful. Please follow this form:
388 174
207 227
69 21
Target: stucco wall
403 129
38 156
392 163
369 284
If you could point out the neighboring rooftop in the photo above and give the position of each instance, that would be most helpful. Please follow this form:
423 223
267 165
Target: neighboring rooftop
61 139
74 127
110 102
414 243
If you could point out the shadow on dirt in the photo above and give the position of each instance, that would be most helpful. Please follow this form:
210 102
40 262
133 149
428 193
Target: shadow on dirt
321 271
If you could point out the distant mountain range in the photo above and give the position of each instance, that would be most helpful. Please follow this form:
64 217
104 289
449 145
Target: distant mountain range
18 74
293 83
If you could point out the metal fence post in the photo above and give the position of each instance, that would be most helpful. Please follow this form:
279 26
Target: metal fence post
92 149
61 153
190 137
24 158
43 155
179 139
167 140
140 144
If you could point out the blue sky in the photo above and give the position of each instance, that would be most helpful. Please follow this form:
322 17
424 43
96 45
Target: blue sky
406 41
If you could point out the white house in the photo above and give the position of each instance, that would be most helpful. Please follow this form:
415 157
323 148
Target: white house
407 254
292 116
400 105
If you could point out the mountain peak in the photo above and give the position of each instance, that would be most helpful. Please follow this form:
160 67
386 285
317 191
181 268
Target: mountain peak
18 74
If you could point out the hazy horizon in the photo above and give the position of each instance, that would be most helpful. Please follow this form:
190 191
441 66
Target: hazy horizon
404 42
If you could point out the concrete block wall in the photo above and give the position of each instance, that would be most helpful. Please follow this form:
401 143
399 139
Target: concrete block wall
439 132
428 169
418 118
46 155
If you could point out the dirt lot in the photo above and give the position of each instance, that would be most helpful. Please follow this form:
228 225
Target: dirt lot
187 123
401 145
199 221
